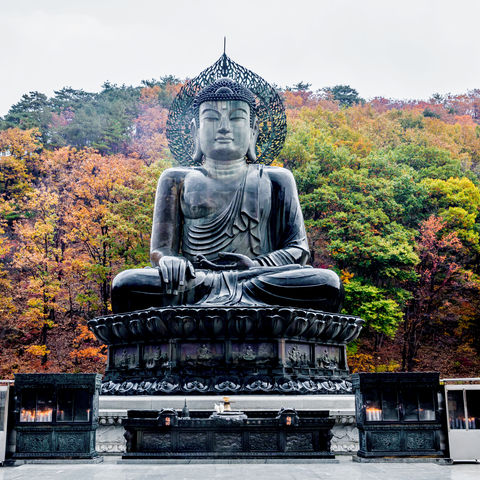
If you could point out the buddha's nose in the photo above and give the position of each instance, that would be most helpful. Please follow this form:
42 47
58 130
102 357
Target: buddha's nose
224 126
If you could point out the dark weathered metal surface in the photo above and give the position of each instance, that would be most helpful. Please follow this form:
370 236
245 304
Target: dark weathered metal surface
401 437
288 434
51 438
232 323
226 349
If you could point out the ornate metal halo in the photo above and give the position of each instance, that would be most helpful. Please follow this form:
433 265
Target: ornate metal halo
270 111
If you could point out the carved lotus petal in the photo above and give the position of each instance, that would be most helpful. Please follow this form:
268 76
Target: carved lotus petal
347 330
213 325
344 330
188 324
120 330
329 327
275 324
157 326
296 327
102 331
286 313
322 325
175 326
243 324
356 332
351 334
337 327
312 329
135 327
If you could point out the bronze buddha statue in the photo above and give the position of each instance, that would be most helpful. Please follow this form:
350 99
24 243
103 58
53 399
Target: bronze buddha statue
227 232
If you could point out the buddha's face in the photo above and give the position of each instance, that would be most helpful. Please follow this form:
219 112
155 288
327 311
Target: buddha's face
224 132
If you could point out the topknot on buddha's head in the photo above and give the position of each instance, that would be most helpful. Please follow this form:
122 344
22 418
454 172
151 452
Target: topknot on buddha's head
225 89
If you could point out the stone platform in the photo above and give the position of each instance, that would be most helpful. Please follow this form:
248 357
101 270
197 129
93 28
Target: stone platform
113 410
114 468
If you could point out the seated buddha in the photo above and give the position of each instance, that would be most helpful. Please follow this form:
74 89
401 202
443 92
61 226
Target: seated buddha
227 232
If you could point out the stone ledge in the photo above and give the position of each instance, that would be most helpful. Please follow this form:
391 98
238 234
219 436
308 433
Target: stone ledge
340 404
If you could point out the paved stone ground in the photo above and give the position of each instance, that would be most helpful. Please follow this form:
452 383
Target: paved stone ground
344 470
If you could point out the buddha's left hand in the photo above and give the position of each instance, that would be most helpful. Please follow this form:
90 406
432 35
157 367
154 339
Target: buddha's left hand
235 261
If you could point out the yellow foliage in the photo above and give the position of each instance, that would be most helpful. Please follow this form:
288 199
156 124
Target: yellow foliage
346 276
361 362
38 350
89 353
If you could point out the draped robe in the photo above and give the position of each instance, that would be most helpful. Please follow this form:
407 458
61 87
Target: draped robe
262 220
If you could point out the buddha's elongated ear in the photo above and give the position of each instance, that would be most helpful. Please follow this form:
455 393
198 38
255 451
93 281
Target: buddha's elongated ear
254 131
197 151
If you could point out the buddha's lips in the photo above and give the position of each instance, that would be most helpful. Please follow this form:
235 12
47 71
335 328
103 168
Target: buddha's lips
224 139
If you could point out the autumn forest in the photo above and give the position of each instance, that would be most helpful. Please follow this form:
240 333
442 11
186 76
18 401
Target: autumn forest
390 192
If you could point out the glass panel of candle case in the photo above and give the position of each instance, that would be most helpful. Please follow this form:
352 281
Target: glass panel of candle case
37 406
390 405
73 405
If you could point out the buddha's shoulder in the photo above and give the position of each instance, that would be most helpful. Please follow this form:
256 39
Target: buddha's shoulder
279 174
176 174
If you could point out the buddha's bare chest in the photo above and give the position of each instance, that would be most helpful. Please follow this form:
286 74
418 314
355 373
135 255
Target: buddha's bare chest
203 196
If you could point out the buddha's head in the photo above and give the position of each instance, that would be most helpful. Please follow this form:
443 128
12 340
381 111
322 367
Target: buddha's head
225 125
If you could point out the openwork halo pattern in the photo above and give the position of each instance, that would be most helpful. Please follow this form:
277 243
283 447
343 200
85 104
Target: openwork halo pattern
270 111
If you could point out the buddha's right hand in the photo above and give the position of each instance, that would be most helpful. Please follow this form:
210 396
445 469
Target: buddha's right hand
174 272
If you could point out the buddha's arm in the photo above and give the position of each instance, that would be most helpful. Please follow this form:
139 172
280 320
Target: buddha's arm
284 256
287 228
167 219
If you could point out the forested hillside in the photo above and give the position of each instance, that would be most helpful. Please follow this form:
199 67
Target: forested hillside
390 192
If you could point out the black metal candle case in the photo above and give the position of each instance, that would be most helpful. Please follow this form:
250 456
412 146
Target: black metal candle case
397 414
56 415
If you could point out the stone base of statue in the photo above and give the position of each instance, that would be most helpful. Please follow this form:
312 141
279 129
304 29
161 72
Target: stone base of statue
226 350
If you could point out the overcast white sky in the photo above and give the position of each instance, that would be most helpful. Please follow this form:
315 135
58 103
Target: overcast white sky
392 48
